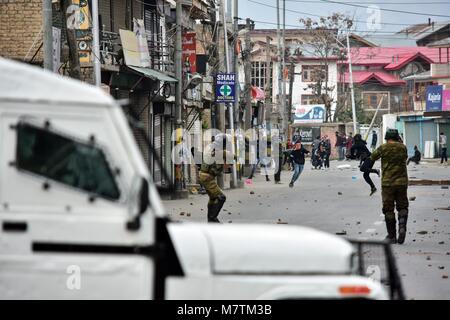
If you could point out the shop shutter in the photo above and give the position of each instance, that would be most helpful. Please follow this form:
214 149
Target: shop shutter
412 131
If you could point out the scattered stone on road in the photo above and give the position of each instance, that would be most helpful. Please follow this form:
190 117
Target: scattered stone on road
422 232
340 193
182 213
341 233
412 198
252 192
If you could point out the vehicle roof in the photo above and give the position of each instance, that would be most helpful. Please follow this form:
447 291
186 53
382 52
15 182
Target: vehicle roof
259 249
23 82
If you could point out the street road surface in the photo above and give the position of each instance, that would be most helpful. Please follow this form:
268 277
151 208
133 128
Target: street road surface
337 201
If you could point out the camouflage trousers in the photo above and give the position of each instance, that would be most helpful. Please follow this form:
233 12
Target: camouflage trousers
212 188
395 197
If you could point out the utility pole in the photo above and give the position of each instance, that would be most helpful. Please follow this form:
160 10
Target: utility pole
280 71
48 34
230 105
352 90
179 91
220 107
74 58
237 123
268 72
237 120
248 77
283 60
96 44
291 85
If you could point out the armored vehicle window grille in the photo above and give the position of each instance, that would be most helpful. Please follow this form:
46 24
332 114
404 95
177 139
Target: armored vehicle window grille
374 259
80 165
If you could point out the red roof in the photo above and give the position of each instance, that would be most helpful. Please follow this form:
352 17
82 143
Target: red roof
392 58
361 77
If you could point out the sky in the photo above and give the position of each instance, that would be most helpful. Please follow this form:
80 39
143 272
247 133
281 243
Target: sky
384 22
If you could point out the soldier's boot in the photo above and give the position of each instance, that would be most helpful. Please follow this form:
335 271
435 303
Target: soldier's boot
215 209
391 229
212 209
402 220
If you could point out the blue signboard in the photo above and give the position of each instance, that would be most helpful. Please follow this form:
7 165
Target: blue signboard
434 98
225 87
309 113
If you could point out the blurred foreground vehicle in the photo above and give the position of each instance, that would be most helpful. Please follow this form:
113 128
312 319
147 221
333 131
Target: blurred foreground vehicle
81 218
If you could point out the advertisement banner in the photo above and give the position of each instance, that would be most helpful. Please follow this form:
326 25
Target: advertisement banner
141 36
189 53
446 100
306 134
135 52
434 98
313 113
225 87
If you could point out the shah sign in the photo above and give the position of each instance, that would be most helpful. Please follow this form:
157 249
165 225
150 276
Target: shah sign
434 98
313 113
225 87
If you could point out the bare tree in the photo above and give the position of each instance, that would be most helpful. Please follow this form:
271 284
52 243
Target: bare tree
323 43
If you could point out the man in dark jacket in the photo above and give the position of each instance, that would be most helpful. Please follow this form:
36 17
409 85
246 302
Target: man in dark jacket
373 145
298 159
394 182
340 142
359 151
416 157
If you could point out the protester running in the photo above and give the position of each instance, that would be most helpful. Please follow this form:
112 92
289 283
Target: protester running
360 151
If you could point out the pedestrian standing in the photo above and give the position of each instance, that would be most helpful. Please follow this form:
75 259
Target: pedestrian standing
327 146
359 151
373 145
443 145
339 145
277 176
394 181
298 160
348 144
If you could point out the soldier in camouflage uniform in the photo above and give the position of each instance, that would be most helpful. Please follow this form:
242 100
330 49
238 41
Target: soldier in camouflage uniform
394 183
209 171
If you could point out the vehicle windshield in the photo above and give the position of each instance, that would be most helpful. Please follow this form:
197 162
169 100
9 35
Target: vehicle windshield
53 156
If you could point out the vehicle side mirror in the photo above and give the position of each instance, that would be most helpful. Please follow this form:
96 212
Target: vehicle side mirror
139 202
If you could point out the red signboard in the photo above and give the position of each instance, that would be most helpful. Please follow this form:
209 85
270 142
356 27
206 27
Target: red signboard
189 53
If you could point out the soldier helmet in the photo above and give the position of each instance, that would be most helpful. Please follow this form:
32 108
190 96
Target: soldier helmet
392 134
220 140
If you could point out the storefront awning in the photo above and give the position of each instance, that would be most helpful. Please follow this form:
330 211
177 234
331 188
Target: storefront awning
258 94
153 74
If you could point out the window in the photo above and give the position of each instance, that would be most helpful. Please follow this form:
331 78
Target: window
310 73
79 165
259 70
308 99
372 99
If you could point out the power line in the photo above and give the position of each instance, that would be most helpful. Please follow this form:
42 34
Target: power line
319 16
375 2
384 9
401 36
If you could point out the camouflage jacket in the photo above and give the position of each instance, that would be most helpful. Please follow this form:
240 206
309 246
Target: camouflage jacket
212 169
393 163
210 165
